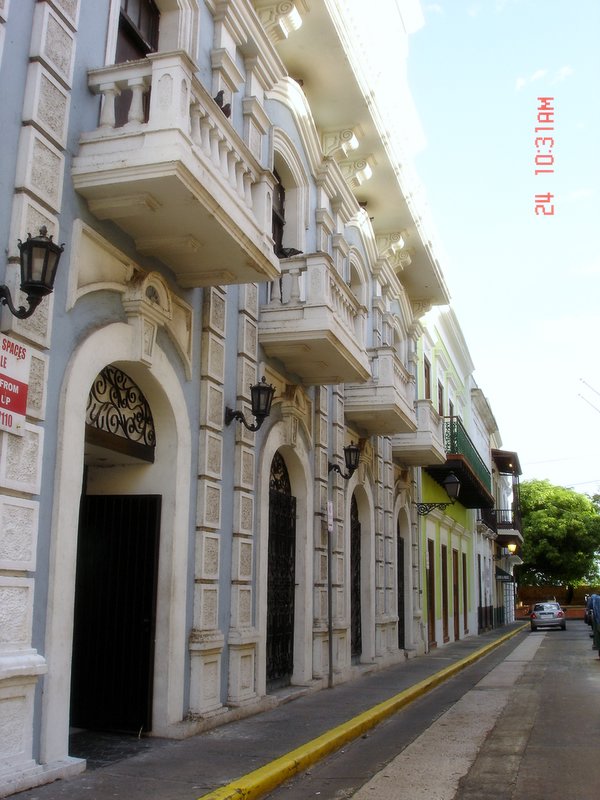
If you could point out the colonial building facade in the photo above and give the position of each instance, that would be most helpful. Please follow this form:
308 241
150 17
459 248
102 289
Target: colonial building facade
231 182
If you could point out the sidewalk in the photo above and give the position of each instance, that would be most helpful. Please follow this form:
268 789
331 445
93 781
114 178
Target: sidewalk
247 758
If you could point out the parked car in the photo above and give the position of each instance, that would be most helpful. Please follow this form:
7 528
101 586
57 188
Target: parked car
547 615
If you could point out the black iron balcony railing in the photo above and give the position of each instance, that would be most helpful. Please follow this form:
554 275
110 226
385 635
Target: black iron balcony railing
458 442
488 517
508 519
501 519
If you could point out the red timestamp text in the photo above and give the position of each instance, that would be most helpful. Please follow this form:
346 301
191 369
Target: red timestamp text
544 143
544 151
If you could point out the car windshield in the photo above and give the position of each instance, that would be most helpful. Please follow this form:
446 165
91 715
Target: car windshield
546 606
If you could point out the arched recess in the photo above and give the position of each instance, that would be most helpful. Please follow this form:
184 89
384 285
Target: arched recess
170 476
297 459
359 283
364 500
294 178
358 277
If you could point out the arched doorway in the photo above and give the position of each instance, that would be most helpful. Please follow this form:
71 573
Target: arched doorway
169 476
281 576
355 583
117 564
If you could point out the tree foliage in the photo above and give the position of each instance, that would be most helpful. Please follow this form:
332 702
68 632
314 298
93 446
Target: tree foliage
561 535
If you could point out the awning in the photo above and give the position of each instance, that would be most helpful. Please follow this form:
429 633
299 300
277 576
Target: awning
504 577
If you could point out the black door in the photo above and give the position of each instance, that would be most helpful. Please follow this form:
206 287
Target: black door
355 604
115 610
281 578
400 566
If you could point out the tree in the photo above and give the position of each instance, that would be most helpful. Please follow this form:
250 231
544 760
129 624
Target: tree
561 536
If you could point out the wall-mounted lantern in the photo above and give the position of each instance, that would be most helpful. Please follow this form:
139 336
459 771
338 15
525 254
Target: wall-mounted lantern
39 257
351 457
452 486
261 397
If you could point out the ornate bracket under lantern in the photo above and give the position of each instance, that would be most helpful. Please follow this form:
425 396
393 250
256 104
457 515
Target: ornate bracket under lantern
452 486
351 457
261 397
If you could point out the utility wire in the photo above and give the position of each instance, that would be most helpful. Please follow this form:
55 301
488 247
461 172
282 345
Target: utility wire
589 403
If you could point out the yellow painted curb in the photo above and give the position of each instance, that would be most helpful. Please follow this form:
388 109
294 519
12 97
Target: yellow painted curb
262 780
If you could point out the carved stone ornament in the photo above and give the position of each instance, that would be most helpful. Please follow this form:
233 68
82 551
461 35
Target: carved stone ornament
356 172
296 412
391 243
420 308
149 305
279 19
339 141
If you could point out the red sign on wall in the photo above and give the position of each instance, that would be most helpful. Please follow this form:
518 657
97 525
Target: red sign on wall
15 360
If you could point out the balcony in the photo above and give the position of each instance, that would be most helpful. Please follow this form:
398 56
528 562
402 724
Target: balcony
425 445
463 459
314 324
384 405
178 179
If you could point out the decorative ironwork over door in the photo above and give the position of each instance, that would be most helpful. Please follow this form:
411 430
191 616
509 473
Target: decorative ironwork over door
118 416
282 576
400 567
115 611
355 582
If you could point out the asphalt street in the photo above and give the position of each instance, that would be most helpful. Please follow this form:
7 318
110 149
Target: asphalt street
250 757
525 726
509 715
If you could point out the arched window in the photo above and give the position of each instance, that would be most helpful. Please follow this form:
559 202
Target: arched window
291 176
278 213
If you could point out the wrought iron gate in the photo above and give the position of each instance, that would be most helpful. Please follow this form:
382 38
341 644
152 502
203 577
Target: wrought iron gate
355 583
115 612
400 567
282 576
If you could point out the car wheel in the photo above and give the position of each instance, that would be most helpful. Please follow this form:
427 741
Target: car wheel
563 627
532 626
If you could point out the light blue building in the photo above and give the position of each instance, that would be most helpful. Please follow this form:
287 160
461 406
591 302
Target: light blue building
232 185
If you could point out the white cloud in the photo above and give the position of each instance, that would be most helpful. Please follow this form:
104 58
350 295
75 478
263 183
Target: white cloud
563 73
521 82
434 8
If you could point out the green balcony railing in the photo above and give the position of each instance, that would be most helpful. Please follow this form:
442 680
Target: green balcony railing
458 442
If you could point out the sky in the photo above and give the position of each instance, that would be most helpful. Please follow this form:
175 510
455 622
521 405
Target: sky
525 286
